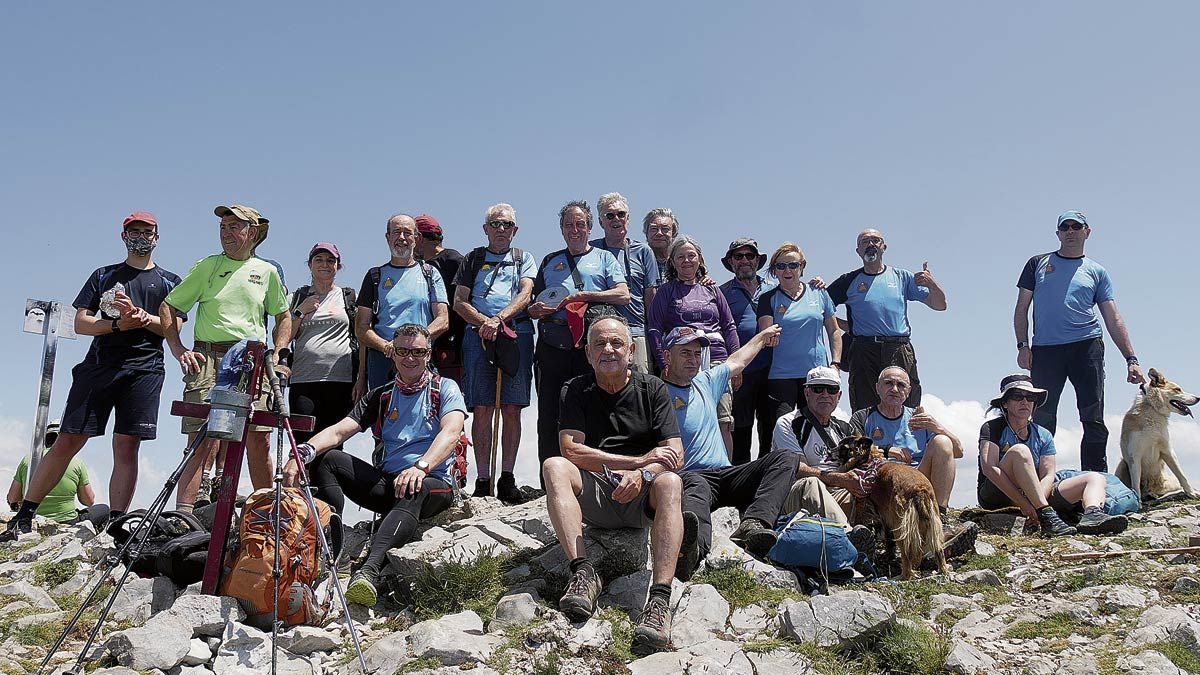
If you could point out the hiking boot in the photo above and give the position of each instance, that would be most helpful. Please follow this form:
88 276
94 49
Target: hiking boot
1096 521
506 489
361 590
203 493
1052 524
653 630
863 539
755 537
579 602
16 528
689 548
483 487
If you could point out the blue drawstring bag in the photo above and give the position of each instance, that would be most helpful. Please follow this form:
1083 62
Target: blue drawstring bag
1118 498
813 544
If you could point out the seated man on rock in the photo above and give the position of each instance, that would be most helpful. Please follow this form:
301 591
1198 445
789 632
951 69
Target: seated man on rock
811 433
620 448
419 416
757 489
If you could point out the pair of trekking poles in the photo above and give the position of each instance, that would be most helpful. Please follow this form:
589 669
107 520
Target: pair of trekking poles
133 545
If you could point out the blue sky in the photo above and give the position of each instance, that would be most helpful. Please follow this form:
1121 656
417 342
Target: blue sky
959 129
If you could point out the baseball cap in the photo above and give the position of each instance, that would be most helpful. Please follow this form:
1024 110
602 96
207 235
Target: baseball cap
240 212
1072 215
823 375
682 335
140 217
332 249
427 224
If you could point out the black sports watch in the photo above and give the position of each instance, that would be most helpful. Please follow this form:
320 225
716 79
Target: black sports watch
1022 345
1132 360
116 328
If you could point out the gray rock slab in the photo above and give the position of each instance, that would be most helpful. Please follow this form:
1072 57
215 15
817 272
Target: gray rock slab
515 609
838 620
1149 662
208 615
134 601
387 655
1157 536
23 590
198 653
965 659
454 639
749 620
1157 623
780 661
159 644
305 640
985 577
595 634
1114 598
247 651
629 592
713 656
699 616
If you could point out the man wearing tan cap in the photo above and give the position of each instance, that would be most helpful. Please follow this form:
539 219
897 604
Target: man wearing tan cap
234 290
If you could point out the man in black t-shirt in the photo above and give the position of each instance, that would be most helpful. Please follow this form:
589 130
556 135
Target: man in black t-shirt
620 449
447 349
123 369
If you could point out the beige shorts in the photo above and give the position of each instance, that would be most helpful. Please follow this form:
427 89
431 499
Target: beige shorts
600 510
197 386
641 355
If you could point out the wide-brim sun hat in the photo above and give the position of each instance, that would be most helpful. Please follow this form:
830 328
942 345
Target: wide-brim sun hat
1021 382
743 242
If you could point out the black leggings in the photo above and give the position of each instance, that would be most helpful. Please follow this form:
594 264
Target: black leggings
336 475
329 402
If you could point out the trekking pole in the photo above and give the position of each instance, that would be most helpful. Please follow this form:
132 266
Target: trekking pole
495 434
137 540
330 562
281 407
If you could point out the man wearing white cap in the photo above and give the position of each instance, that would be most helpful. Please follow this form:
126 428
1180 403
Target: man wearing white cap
1065 288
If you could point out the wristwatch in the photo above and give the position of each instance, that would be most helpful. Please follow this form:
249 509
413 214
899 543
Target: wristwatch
1131 360
1022 345
422 465
115 327
648 475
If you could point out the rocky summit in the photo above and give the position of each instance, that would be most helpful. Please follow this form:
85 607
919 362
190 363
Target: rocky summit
478 591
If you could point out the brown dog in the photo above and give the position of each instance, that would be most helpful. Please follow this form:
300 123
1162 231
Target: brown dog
904 499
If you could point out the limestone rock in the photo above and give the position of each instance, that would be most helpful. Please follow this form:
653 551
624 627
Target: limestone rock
247 651
305 640
1149 662
453 639
32 594
985 577
515 609
386 655
614 553
208 615
700 616
629 592
713 656
1157 536
595 634
1157 624
964 659
159 644
198 653
133 603
780 661
750 620
1118 597
837 620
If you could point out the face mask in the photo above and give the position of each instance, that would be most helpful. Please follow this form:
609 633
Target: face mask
871 254
139 246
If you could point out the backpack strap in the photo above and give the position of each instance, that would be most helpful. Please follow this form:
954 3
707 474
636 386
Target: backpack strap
299 295
575 275
375 275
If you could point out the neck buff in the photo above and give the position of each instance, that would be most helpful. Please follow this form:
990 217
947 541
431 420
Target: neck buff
410 389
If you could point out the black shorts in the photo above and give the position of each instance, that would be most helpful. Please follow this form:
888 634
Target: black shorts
993 498
97 389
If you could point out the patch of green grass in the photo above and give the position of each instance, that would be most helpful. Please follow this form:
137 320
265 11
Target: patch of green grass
622 632
828 662
762 645
913 649
911 598
951 616
998 562
1054 646
1100 575
39 634
427 663
739 588
454 586
51 574
1057 625
1178 653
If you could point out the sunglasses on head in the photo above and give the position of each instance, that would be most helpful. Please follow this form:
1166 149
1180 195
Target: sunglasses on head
1070 225
787 265
502 224
418 352
824 389
613 215
1022 396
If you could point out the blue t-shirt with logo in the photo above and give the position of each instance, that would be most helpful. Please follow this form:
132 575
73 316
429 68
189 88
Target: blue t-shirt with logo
1065 294
598 270
404 297
996 430
407 427
877 304
695 408
498 282
744 306
641 272
892 433
802 344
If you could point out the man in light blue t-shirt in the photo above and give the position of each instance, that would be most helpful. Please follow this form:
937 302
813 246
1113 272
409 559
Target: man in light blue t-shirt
493 287
1065 288
587 274
638 262
757 489
405 290
876 298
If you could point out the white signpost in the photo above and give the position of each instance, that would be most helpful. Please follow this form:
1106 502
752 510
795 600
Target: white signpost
51 320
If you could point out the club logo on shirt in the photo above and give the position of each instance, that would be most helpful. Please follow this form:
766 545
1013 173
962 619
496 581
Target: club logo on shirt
559 267
486 266
862 287
877 434
679 403
255 279
393 415
782 308
1004 448
1049 268
388 283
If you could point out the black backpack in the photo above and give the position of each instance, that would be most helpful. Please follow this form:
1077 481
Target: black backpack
175 547
474 261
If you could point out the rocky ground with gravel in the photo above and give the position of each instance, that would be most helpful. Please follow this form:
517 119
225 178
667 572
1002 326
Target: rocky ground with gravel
477 593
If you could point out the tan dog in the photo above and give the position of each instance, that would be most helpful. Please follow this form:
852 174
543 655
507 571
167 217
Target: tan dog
1146 452
904 499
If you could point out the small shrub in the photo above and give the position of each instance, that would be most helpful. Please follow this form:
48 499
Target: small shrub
1178 653
427 663
739 588
454 586
50 574
622 632
913 649
951 616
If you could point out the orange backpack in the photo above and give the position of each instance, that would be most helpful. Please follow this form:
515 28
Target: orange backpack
249 577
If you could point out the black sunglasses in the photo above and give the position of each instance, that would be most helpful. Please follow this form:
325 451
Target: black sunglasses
1018 396
744 256
1070 225
502 224
613 215
824 389
431 236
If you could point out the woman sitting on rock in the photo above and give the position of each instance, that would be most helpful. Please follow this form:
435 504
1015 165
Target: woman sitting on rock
1017 464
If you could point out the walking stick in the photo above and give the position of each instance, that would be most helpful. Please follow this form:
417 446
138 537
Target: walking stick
495 434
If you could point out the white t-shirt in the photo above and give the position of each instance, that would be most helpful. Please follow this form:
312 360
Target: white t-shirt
814 453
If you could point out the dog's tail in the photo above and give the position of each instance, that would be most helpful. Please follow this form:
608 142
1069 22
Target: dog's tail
932 539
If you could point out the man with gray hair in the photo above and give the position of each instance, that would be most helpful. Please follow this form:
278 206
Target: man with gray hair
493 287
641 268
402 291
660 226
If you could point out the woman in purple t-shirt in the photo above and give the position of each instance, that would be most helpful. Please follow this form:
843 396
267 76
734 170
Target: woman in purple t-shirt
685 301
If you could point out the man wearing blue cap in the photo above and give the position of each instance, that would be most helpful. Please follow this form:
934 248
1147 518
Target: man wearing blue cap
1065 288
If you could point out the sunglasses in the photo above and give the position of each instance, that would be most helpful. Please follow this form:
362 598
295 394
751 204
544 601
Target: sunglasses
1070 225
1032 398
613 215
824 389
418 352
502 224
431 236
787 266
744 256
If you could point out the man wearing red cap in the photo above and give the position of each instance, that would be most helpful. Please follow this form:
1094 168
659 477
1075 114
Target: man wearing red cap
447 349
123 369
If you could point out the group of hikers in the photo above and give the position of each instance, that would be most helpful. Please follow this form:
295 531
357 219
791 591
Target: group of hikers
652 382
